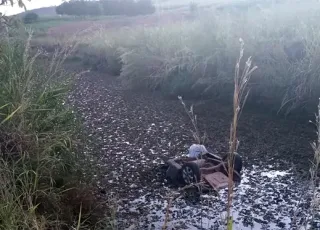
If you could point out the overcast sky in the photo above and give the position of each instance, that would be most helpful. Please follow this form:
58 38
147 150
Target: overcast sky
34 4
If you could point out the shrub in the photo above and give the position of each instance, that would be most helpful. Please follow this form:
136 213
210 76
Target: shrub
30 18
144 7
62 9
193 8
37 130
195 57
106 7
80 8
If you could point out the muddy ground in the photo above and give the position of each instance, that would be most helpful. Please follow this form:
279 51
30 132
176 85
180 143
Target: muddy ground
130 135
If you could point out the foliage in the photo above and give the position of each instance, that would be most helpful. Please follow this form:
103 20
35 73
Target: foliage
193 8
80 8
194 57
30 18
142 7
37 133
106 7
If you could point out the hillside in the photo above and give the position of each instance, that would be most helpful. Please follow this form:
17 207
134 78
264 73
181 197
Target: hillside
42 12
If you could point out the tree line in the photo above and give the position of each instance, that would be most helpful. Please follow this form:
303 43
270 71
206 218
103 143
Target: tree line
106 7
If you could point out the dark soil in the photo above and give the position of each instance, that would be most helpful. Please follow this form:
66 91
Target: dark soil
131 134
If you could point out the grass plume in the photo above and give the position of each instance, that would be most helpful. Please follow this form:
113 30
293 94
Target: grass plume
200 139
239 98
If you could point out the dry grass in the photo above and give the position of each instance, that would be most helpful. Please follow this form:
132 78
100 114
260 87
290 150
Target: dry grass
314 171
193 57
39 184
241 81
197 136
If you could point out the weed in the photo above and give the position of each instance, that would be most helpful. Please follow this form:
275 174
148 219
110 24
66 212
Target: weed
239 98
200 139
37 133
314 170
194 57
240 95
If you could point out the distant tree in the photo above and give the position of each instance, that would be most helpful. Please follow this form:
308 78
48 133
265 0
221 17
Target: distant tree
111 7
60 10
127 7
30 18
145 7
106 7
80 8
193 7
93 8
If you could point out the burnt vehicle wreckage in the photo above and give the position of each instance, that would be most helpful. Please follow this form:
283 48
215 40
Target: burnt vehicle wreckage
207 171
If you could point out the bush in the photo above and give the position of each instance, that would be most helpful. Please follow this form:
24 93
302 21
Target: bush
99 58
194 57
37 160
143 7
30 18
80 8
106 7
193 8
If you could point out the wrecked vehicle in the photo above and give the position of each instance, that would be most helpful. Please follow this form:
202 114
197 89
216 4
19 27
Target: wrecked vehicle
203 168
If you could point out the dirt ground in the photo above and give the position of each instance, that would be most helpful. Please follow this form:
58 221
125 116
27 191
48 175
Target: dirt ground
131 134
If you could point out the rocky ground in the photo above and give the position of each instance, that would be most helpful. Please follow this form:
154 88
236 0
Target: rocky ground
130 135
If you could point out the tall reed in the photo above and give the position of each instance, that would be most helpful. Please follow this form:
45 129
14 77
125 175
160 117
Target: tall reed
240 95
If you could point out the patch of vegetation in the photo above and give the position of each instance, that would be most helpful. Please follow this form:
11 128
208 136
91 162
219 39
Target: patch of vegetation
30 18
194 57
44 23
41 184
80 8
106 7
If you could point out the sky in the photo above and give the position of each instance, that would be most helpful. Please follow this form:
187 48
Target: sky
33 4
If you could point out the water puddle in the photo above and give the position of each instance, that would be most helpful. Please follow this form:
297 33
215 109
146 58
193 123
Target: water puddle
265 199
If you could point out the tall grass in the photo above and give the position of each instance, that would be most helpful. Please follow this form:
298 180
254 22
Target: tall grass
38 186
241 92
241 81
314 171
194 57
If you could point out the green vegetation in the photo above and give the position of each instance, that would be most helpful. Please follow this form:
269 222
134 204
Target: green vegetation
40 186
45 23
194 57
106 7
80 8
30 18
